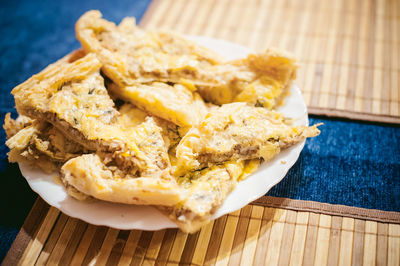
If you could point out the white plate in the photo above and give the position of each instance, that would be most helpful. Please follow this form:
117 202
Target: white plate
124 216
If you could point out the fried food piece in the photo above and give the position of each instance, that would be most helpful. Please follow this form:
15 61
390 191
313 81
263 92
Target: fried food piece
206 191
34 93
71 95
73 98
150 142
11 126
259 79
91 176
23 149
99 175
40 144
173 103
237 131
131 116
250 166
130 55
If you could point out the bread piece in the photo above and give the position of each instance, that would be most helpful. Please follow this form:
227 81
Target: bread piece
104 175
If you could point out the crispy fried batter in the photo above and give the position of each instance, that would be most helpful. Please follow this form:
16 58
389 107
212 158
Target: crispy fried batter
73 98
206 191
131 55
173 103
90 175
237 131
40 144
130 116
11 126
259 79
101 175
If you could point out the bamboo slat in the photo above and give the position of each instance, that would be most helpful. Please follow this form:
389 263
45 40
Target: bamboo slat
348 50
346 237
270 231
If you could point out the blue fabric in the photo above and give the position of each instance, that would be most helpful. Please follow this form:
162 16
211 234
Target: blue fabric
350 163
7 236
33 35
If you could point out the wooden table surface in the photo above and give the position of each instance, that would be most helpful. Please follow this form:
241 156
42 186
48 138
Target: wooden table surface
270 231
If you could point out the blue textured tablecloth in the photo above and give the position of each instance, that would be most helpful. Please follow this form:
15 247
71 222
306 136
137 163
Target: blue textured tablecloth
350 163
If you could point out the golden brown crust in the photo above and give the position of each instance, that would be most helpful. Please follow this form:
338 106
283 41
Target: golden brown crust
89 174
237 131
40 144
206 191
73 98
131 116
11 126
174 103
130 55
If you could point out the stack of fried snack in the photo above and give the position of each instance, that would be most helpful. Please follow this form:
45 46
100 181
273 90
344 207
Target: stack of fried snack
142 117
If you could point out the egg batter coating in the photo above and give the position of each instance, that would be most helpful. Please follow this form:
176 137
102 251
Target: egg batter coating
131 116
237 131
132 56
12 126
206 191
40 144
100 176
262 79
174 103
72 96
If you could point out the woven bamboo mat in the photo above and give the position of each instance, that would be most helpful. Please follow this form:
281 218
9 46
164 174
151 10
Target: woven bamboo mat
349 49
271 231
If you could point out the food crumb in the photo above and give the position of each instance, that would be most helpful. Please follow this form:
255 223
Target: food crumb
57 180
283 162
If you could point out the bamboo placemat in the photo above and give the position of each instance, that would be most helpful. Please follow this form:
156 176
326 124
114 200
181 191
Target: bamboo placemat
271 231
349 49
